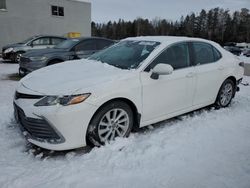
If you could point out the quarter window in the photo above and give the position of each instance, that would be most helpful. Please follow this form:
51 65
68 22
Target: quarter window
57 11
2 4
203 53
217 54
177 56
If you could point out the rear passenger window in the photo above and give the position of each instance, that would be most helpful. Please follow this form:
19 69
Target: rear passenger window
103 44
177 56
88 45
55 41
203 53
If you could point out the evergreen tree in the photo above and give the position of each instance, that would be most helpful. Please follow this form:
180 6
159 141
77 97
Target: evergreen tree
217 24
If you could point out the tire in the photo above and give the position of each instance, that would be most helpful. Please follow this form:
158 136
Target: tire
105 126
21 73
226 94
16 56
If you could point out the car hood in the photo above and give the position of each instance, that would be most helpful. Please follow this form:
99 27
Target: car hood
72 77
42 52
13 45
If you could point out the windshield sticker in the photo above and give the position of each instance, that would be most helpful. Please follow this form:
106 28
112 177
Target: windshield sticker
147 43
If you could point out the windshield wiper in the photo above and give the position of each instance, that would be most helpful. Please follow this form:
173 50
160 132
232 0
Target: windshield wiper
119 66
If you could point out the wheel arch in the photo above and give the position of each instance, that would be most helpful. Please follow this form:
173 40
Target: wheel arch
233 79
20 51
137 115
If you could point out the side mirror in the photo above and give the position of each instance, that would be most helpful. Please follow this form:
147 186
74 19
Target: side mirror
161 69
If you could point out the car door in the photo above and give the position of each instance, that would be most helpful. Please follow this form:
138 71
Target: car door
40 43
169 93
209 72
85 48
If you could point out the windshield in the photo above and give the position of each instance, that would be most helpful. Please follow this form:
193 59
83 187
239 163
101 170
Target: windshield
27 40
126 54
67 43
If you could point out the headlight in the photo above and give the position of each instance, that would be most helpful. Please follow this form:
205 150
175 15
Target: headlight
65 100
8 50
39 58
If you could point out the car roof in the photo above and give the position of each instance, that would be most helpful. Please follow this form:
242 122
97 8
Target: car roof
169 39
36 36
85 38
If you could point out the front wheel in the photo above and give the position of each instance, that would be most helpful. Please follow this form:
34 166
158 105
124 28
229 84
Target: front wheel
226 94
113 120
17 57
21 73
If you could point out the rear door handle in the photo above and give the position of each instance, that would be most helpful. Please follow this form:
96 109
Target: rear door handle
190 75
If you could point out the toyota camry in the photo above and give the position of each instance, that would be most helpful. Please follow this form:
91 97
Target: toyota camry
134 83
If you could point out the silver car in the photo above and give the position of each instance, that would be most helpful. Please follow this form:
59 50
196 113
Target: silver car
12 51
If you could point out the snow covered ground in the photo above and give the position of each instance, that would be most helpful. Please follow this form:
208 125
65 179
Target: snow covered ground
207 148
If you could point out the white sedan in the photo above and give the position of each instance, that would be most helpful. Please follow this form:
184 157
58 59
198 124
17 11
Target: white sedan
134 83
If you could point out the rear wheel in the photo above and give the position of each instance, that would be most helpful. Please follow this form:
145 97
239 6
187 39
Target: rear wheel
113 120
226 94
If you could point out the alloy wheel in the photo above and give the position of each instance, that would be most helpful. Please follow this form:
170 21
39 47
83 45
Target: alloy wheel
113 123
226 94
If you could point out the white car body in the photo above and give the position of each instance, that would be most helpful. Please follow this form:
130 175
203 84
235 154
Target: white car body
182 91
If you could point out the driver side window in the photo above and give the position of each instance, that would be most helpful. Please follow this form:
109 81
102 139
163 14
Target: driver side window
41 41
177 56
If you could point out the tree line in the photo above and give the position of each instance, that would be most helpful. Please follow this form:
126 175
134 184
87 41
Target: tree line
217 24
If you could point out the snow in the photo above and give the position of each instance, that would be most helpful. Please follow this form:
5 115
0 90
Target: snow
245 59
206 148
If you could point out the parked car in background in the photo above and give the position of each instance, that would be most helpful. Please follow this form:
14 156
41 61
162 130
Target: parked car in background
134 83
67 50
233 49
246 52
12 51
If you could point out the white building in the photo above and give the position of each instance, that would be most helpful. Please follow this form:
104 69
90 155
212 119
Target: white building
21 19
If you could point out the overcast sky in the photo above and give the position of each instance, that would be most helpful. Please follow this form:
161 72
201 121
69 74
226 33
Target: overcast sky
105 10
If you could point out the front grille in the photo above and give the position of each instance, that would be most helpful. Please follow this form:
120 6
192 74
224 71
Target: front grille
38 129
24 59
27 96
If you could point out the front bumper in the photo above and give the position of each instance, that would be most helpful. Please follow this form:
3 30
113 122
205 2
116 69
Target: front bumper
6 56
27 66
37 128
65 127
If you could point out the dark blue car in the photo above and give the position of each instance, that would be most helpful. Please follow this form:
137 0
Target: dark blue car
70 49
